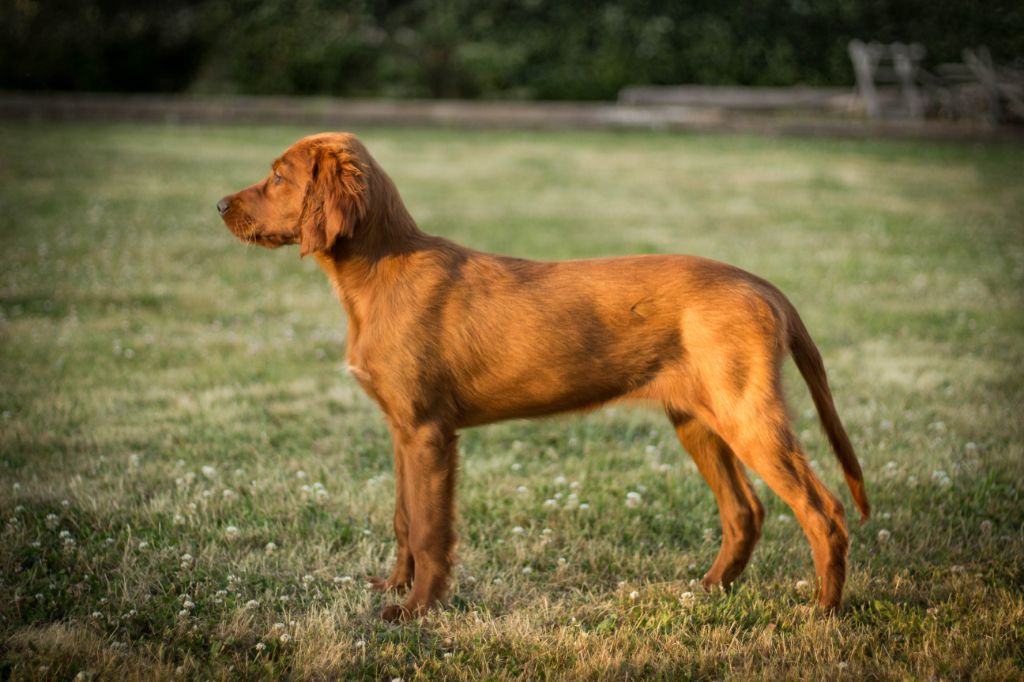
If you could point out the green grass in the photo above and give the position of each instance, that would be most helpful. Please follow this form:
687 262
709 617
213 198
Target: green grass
141 343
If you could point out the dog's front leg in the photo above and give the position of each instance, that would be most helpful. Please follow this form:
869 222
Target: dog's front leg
402 575
429 462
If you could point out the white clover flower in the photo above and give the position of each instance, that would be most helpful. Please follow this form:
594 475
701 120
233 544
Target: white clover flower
270 548
633 499
574 485
634 595
986 527
260 646
546 531
360 644
971 448
64 534
65 503
651 449
560 480
300 474
96 614
497 581
308 578
209 472
278 626
518 530
52 520
188 604
179 519
231 532
284 599
527 570
186 557
664 468
228 494
558 495
251 604
285 638
16 486
584 506
516 466
342 579
562 561
686 596
36 544
133 459
550 504
307 489
802 585
884 535
143 545
207 494
523 490
785 518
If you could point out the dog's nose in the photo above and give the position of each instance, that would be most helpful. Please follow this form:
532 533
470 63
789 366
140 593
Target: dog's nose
223 205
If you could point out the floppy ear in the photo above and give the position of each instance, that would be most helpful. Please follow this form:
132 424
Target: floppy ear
335 201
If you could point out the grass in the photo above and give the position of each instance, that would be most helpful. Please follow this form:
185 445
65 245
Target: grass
166 391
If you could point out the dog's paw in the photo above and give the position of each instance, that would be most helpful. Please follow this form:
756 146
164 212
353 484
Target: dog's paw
395 613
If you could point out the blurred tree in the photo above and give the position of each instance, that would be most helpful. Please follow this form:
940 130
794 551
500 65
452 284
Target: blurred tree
461 48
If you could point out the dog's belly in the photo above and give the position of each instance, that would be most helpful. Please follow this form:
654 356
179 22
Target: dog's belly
558 372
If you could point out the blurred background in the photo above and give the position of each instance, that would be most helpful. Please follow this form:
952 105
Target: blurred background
948 59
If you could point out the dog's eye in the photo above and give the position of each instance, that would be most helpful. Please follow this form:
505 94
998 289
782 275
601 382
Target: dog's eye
277 178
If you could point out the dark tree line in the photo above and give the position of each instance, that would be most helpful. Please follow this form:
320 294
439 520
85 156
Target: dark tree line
548 49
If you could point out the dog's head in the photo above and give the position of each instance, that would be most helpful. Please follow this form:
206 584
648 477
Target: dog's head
316 193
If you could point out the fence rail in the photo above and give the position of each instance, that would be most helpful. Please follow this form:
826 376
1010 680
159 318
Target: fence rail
328 113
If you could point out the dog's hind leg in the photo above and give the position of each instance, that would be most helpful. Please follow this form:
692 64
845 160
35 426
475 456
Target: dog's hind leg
739 508
764 442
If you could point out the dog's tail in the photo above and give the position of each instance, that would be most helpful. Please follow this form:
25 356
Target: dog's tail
808 361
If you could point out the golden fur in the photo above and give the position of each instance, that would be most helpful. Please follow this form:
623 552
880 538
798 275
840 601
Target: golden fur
444 337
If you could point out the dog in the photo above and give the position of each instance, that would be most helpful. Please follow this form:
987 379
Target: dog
443 337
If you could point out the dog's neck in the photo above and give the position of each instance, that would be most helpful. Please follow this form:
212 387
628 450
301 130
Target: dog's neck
367 265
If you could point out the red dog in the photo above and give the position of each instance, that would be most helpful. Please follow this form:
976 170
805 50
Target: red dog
444 337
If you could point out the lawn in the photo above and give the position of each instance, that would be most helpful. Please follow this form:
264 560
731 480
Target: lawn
191 485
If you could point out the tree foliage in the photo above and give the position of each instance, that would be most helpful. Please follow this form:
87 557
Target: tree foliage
458 48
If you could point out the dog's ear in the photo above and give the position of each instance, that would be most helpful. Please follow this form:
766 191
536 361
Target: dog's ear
335 200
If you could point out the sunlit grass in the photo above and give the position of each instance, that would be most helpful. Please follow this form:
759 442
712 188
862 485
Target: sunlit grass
191 484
